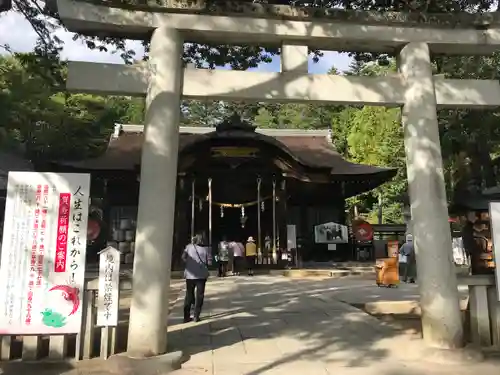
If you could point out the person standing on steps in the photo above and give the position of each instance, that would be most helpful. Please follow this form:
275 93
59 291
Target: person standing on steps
197 259
238 254
267 250
223 257
251 254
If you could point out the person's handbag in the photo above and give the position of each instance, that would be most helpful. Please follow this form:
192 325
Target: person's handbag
204 262
402 258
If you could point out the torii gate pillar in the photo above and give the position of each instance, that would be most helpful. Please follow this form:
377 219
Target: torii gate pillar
441 318
147 334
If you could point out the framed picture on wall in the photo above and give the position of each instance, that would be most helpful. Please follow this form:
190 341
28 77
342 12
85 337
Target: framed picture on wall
331 233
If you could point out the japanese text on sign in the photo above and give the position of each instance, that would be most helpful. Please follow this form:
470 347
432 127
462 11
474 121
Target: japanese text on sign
43 253
108 286
77 217
62 232
39 223
108 296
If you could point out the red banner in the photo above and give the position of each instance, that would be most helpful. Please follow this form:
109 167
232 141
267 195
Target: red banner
62 232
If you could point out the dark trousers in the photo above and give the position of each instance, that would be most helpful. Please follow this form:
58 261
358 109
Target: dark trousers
237 265
250 263
407 270
190 299
222 268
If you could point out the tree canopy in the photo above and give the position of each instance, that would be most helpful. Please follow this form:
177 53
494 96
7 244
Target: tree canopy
50 123
43 17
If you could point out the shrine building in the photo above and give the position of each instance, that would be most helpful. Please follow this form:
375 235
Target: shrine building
234 181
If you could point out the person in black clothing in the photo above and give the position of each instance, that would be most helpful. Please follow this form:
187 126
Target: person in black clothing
223 257
197 258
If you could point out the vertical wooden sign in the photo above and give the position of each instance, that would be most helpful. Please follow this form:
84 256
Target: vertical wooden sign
108 299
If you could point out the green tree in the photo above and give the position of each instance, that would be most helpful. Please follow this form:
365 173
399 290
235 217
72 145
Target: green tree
52 124
200 113
376 138
463 140
212 112
467 149
373 136
267 116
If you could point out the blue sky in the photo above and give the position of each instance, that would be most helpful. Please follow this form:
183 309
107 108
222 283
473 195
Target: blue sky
16 32
341 61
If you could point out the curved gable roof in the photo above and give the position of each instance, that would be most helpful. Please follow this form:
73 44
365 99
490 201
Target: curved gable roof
314 151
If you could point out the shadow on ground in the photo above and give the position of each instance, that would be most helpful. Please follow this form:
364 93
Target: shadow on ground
273 325
275 322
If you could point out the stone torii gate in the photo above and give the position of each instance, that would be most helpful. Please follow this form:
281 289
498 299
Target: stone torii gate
164 80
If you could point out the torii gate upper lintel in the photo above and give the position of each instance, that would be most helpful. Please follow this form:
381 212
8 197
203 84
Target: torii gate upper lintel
272 24
164 81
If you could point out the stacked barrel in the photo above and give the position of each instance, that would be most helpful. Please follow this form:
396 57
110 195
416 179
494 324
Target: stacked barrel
122 234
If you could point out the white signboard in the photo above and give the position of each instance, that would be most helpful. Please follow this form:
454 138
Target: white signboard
495 235
459 254
331 233
42 267
109 279
332 246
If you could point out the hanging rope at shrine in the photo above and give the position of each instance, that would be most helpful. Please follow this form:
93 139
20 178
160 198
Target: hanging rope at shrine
238 205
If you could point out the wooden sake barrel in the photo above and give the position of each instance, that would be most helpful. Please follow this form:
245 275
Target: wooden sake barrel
129 235
482 259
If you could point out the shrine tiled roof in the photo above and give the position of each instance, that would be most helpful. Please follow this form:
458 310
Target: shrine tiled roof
310 148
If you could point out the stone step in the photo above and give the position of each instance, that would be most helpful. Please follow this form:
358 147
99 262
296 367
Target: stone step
334 273
408 308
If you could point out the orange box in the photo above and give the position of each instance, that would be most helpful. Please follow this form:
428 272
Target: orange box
393 249
387 271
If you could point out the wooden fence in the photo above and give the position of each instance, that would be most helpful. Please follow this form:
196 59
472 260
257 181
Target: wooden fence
483 310
91 342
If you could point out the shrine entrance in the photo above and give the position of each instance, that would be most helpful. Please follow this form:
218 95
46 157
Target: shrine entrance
236 179
236 210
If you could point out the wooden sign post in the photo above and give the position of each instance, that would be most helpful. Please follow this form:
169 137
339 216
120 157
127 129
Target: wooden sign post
108 299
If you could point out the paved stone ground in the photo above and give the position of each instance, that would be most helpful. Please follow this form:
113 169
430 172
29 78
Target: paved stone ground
273 326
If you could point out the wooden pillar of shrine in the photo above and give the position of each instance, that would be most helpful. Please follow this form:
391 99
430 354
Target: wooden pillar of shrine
274 227
282 218
212 247
259 221
181 229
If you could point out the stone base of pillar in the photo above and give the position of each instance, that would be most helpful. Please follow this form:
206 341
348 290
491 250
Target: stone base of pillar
127 364
467 355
